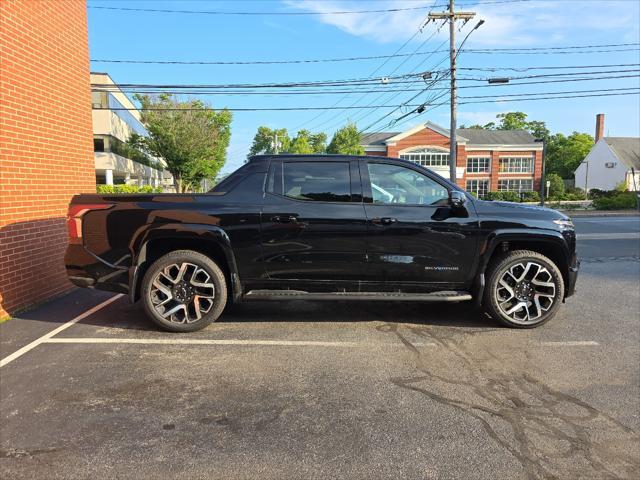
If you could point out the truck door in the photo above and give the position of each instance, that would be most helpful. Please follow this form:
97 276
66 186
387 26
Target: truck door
413 233
313 221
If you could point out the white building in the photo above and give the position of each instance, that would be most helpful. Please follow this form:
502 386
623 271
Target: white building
115 118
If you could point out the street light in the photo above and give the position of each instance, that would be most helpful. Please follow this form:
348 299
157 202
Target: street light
586 180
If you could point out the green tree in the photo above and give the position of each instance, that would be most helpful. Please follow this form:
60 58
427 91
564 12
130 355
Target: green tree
512 121
318 142
189 136
264 141
516 121
301 144
538 129
556 186
564 154
306 142
346 141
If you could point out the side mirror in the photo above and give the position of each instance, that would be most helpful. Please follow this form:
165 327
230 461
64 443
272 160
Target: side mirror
457 199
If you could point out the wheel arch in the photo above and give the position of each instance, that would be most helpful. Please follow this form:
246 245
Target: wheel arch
153 242
549 243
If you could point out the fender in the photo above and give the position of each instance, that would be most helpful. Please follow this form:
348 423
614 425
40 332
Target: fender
206 234
497 237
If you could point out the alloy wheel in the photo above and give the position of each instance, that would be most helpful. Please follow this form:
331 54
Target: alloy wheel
525 292
182 292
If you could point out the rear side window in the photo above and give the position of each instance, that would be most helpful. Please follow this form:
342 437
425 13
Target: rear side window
317 181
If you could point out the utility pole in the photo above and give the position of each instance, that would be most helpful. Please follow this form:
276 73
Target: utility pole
451 16
275 143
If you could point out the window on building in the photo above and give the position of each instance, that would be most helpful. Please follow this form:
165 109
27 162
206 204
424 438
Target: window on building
317 181
98 144
516 164
392 184
478 164
478 187
515 185
98 99
427 157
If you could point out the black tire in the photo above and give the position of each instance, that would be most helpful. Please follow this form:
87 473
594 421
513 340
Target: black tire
198 305
527 303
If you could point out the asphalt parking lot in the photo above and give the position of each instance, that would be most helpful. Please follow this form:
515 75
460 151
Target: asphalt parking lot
90 389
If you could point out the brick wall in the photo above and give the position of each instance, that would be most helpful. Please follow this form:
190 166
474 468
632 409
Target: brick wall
46 150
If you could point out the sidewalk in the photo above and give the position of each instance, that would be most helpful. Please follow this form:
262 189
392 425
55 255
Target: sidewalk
601 213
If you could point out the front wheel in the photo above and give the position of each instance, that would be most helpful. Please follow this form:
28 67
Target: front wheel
524 289
184 291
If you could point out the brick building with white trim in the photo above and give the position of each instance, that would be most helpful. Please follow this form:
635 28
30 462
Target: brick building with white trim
487 160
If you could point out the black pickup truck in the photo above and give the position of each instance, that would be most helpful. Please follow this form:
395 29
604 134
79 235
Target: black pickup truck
325 227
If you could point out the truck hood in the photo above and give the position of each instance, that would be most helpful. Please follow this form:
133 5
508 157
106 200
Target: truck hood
519 209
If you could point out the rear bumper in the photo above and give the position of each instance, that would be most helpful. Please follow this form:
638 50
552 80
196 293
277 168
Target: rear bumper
89 271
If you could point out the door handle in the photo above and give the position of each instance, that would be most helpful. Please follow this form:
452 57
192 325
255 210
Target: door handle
284 219
384 221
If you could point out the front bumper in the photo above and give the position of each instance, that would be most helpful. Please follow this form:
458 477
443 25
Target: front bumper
572 277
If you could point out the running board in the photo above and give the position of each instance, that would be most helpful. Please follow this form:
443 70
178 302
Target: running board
444 296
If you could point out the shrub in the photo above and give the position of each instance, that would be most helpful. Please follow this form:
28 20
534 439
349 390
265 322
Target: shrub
556 186
494 196
503 196
597 193
530 197
511 196
621 187
108 189
574 196
619 201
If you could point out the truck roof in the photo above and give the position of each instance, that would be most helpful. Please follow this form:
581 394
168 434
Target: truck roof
314 156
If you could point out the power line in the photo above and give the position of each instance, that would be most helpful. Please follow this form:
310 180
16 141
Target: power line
600 92
538 50
300 14
316 117
433 107
400 79
552 67
391 73
271 12
553 98
329 92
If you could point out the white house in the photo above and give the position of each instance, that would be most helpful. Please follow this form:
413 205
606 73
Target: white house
610 161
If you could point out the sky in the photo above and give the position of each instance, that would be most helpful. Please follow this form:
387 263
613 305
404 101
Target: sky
538 26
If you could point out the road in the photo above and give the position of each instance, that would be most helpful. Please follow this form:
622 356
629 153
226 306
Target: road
339 390
608 236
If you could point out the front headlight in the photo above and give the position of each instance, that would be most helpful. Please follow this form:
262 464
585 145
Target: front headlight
565 223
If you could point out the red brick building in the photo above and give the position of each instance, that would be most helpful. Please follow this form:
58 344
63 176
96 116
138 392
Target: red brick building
487 160
46 149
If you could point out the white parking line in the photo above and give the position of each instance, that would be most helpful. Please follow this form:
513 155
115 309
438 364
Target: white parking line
276 343
581 343
608 236
205 341
44 338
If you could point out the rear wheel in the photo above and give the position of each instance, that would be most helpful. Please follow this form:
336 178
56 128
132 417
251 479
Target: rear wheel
524 289
184 291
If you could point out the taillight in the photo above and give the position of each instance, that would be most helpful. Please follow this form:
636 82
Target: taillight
74 219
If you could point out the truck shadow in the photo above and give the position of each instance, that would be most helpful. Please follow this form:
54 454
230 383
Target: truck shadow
462 314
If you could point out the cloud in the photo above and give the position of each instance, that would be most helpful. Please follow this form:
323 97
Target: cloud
506 24
478 118
381 27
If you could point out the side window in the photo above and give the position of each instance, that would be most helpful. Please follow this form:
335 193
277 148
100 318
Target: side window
392 184
317 181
